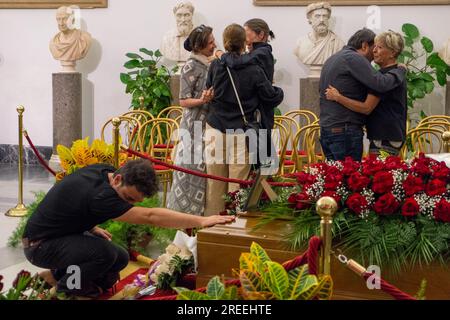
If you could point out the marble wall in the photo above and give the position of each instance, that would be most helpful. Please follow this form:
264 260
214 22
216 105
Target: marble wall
9 154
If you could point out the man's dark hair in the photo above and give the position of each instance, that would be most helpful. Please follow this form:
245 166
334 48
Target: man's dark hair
364 35
140 174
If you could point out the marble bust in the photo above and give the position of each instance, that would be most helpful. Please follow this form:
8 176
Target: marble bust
321 43
445 52
70 44
172 46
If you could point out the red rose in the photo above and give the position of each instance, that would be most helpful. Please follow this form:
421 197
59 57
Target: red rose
382 182
21 274
386 204
333 195
421 169
332 181
1 284
441 171
299 201
292 198
357 182
394 163
413 185
303 201
370 168
436 187
304 178
356 203
350 166
442 211
410 208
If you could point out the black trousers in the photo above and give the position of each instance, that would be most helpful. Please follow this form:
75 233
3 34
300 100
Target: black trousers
99 262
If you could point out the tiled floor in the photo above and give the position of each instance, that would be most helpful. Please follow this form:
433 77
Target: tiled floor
36 179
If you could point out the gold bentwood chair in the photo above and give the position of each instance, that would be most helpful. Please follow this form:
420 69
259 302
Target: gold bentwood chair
140 115
172 112
424 139
280 138
158 140
128 131
434 118
306 146
302 116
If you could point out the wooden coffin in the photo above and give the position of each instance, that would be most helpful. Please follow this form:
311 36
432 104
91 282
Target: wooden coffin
220 247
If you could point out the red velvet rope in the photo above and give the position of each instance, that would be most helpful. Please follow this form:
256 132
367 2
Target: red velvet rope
195 173
204 175
388 288
38 155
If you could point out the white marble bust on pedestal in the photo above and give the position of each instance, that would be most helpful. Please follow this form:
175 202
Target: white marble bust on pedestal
172 46
70 44
314 49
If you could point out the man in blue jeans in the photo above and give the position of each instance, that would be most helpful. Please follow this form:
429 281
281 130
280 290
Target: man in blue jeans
350 71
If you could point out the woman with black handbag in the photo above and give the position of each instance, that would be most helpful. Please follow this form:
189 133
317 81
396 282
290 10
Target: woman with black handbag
238 94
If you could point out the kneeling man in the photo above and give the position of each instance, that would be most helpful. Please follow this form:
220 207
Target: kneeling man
63 231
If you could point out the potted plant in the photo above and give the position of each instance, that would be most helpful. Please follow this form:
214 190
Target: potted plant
149 79
425 67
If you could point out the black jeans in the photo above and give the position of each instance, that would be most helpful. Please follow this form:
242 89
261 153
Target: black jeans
341 142
98 259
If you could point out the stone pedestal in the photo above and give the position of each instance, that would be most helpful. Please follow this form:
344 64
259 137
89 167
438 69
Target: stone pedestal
447 99
66 111
309 94
175 89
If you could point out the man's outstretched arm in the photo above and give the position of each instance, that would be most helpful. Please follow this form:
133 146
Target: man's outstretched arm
166 218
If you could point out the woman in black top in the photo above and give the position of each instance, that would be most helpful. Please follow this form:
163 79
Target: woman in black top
258 35
255 92
386 123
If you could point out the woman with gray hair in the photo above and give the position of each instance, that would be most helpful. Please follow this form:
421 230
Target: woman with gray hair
386 124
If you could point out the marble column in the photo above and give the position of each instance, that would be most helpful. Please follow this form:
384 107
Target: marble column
175 89
309 94
447 99
66 111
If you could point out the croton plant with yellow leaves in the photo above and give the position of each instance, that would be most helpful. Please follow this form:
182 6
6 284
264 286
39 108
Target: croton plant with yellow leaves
264 279
81 155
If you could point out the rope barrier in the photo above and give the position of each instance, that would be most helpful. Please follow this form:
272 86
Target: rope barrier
309 257
201 174
388 288
192 172
384 285
37 154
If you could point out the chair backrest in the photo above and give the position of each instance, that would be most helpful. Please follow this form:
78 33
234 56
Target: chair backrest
436 124
280 138
128 132
159 137
140 115
303 117
171 112
433 118
424 139
306 144
291 125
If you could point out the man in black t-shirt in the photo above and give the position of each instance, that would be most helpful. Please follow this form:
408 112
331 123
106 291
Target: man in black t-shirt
62 234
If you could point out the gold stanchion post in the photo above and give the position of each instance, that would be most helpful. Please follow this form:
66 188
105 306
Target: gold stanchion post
116 124
20 210
446 139
326 207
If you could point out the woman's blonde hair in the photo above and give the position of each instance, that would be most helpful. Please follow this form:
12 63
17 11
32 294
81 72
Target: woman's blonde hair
392 40
234 38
